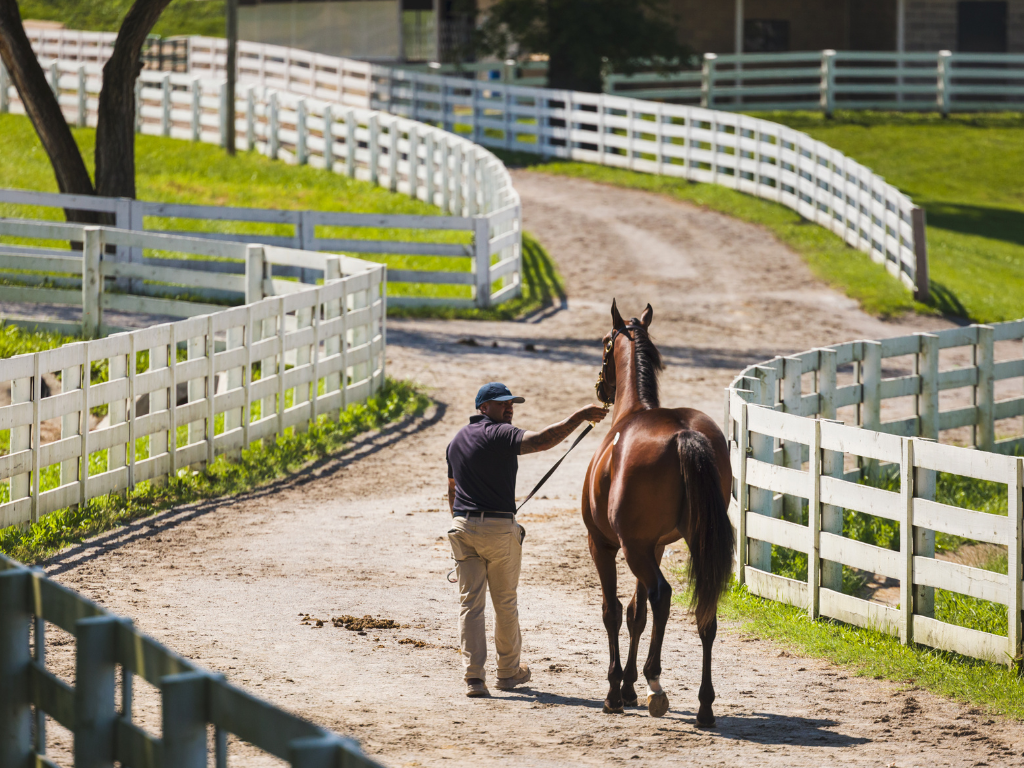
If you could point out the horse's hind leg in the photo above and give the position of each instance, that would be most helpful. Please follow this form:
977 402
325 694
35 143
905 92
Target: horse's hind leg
706 695
644 565
636 620
604 559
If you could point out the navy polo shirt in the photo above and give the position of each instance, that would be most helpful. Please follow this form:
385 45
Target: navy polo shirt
482 458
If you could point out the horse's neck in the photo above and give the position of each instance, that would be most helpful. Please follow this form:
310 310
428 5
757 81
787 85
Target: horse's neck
627 390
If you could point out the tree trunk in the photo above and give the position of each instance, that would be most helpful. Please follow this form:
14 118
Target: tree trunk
43 110
115 131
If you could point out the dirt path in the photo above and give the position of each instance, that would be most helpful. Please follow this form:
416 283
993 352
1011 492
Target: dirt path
227 583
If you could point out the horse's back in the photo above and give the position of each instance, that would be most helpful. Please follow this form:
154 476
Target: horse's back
637 489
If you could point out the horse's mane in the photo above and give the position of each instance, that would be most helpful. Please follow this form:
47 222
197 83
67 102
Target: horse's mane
648 363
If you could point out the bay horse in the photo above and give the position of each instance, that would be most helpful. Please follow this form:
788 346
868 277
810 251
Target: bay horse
659 475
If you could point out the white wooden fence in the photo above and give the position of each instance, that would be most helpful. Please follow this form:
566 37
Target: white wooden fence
490 241
109 654
748 154
318 349
788 450
466 181
828 80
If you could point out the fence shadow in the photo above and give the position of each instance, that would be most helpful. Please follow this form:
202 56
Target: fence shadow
147 527
983 221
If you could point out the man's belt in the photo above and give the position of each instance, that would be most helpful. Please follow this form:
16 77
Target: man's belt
504 515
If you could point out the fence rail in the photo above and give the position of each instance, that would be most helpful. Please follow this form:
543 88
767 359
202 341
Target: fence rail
790 454
290 354
489 243
109 649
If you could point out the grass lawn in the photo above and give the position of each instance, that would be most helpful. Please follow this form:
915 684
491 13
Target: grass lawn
181 17
965 172
175 171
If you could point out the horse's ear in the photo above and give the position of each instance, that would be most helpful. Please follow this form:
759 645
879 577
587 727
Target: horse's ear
617 321
647 317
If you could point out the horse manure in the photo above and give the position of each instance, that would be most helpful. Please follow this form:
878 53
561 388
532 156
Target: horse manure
413 643
354 624
468 341
494 345
529 348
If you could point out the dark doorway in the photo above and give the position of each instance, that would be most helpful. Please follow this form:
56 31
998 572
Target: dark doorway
765 35
981 27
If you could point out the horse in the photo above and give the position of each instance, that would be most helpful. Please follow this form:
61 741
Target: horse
659 475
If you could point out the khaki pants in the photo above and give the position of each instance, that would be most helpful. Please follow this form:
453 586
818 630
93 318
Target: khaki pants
488 553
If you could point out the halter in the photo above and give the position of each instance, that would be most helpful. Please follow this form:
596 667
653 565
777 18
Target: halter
599 387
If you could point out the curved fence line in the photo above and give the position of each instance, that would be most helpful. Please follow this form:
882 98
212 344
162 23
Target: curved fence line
799 474
105 645
249 372
748 154
402 155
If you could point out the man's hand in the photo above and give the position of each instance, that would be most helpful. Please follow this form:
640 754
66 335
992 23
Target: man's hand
556 433
451 495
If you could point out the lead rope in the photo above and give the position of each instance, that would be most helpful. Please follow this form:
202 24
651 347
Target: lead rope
537 487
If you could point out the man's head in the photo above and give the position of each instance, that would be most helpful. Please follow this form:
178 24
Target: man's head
494 400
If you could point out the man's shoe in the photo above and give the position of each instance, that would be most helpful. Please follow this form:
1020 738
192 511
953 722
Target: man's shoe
475 687
520 677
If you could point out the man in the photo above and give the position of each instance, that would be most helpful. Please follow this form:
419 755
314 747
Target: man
486 540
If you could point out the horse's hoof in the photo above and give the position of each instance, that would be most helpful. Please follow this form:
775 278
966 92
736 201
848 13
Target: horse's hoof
631 702
657 704
610 710
708 722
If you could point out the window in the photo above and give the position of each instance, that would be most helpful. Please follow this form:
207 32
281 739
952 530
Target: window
765 35
981 27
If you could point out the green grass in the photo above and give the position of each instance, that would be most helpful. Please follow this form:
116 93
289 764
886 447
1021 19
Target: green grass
181 17
874 654
965 172
174 171
259 465
826 254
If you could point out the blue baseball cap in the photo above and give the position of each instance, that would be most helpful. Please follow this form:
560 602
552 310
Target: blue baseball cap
496 391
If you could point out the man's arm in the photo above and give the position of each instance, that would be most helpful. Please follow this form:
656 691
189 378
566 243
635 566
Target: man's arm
551 436
451 495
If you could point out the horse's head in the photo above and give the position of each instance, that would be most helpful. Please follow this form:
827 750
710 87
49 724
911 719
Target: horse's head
605 387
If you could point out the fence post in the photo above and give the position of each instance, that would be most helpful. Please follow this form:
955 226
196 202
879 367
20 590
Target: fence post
428 169
984 397
707 81
907 541
792 369
300 131
763 449
250 118
255 266
138 106
184 705
95 689
414 161
222 113
350 144
334 344
943 65
482 260
92 283
15 661
922 289
165 105
5 84
1015 509
814 523
924 479
273 141
328 134
394 138
743 440
70 380
55 79
831 575
373 124
83 98
828 82
457 176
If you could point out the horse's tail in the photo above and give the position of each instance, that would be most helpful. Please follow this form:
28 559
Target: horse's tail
709 532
